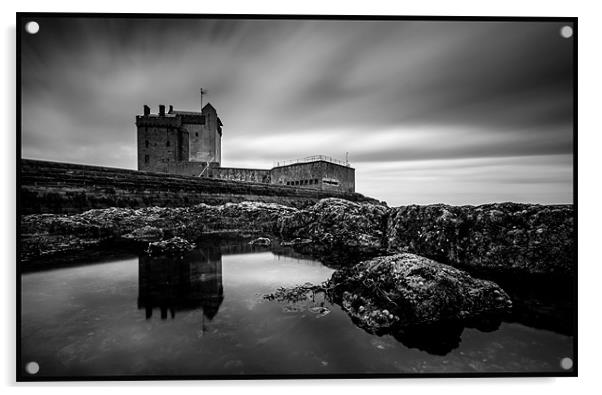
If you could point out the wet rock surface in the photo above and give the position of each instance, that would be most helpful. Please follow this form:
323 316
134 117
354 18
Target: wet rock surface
407 290
296 242
421 303
525 238
51 234
337 223
146 234
261 241
169 247
506 237
306 297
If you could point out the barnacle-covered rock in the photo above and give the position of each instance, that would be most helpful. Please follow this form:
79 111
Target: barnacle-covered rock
173 246
261 241
405 290
508 237
337 223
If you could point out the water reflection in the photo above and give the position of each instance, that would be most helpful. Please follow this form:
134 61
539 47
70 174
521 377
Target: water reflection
195 281
84 320
178 284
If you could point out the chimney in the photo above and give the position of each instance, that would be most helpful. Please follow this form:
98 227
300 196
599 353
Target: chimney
146 110
170 109
161 110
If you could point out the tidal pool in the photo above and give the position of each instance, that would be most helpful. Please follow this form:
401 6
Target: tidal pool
205 315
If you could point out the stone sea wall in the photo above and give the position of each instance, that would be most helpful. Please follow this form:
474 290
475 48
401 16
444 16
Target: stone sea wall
52 187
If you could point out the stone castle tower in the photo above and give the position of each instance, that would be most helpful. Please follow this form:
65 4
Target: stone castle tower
190 143
179 141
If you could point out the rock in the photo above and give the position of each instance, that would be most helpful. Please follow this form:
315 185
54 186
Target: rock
296 241
173 246
261 241
45 235
306 297
510 237
392 293
320 311
145 234
506 237
336 223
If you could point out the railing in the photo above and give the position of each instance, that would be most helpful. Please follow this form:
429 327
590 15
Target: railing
206 167
311 159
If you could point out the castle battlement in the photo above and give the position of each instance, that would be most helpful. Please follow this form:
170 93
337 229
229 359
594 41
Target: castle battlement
158 121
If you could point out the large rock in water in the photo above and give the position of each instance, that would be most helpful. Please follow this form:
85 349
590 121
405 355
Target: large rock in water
338 223
392 293
525 238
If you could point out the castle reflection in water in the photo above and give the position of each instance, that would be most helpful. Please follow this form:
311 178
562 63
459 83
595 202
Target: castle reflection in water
173 284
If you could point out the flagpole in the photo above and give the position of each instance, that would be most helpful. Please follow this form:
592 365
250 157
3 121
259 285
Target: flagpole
203 92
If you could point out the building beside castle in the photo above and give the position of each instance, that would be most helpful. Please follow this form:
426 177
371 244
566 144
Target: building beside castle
190 143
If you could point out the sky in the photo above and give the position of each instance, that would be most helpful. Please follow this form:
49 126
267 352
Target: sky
428 111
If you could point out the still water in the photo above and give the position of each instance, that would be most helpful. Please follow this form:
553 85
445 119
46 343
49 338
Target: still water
205 315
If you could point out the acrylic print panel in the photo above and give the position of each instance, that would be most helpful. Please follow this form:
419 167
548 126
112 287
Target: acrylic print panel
214 196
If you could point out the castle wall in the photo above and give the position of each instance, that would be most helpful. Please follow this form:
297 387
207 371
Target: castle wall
186 168
240 174
214 129
161 143
205 136
52 187
319 175
202 143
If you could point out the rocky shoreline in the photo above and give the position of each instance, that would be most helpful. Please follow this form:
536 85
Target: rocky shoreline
505 237
398 269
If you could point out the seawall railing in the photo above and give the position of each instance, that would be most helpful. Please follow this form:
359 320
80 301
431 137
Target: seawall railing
312 158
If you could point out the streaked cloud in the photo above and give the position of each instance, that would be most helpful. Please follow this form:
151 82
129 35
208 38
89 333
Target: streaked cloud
459 112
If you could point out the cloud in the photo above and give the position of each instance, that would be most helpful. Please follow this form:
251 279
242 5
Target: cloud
386 92
545 179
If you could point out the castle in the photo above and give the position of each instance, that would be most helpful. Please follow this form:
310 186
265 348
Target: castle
190 143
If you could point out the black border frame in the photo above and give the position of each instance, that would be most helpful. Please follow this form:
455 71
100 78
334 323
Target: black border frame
23 17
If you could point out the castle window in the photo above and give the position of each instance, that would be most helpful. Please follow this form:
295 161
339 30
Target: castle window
197 134
146 143
146 159
167 144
